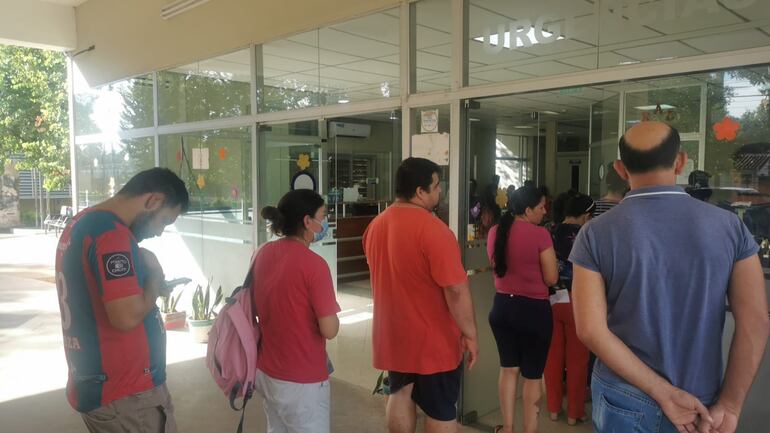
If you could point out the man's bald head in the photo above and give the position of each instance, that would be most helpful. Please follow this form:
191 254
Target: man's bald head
649 146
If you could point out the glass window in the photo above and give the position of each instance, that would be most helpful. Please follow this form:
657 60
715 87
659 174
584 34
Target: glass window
434 45
125 104
210 89
213 240
104 167
216 166
356 60
518 39
289 75
640 31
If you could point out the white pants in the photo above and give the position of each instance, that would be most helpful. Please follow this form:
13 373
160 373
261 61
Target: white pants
295 407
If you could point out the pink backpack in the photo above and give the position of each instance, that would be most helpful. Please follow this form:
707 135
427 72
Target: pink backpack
232 348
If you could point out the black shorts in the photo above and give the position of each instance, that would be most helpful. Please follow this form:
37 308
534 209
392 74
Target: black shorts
436 394
522 328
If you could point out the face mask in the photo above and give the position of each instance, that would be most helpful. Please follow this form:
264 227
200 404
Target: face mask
319 236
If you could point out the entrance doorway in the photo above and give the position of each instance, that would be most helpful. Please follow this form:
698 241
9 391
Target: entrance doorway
350 161
560 140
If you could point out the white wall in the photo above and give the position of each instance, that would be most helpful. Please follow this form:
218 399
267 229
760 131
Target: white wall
37 24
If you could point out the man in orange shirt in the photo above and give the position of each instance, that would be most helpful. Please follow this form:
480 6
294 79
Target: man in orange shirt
423 310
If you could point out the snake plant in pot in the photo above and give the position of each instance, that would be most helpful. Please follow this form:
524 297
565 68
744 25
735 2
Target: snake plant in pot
172 319
203 311
168 301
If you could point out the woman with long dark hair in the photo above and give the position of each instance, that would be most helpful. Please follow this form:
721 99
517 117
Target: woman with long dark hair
524 264
297 309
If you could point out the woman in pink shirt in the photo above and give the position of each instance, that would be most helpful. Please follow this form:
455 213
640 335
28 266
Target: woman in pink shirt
297 309
524 262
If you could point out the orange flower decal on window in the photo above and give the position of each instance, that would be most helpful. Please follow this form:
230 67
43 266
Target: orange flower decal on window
303 162
222 153
727 129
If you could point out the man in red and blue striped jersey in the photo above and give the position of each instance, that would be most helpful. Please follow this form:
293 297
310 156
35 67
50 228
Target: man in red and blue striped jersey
113 335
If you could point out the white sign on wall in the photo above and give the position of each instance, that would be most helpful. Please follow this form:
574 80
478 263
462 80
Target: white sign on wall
434 147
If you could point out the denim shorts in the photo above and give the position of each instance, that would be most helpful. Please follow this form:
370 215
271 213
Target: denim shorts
622 408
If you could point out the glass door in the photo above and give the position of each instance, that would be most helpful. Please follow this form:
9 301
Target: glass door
292 156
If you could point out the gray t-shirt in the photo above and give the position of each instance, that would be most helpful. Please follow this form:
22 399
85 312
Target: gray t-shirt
666 260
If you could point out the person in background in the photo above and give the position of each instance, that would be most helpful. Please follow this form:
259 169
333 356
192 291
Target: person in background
698 185
297 309
423 310
649 284
524 262
616 189
114 339
566 350
558 206
490 210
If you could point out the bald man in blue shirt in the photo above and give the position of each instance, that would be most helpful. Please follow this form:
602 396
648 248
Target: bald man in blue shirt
650 283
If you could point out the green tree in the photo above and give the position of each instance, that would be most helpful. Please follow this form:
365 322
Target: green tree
33 112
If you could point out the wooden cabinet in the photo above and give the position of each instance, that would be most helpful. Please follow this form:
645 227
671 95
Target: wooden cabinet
351 261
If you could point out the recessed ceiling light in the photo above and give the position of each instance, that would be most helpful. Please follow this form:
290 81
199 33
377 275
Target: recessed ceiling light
343 101
550 112
523 127
473 119
665 58
629 62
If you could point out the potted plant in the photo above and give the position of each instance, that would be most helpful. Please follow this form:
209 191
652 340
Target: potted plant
382 387
203 314
172 319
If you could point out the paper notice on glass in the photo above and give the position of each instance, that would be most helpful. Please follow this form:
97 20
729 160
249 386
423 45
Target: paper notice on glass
560 297
200 158
429 121
434 147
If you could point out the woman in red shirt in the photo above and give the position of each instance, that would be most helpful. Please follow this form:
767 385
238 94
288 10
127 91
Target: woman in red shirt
524 266
297 309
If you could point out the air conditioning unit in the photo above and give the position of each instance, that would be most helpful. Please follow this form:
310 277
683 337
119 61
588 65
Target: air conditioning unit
344 129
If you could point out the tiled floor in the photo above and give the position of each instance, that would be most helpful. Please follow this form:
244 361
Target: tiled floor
351 354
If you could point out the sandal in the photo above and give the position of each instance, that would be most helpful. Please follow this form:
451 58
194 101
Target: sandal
498 428
554 416
573 421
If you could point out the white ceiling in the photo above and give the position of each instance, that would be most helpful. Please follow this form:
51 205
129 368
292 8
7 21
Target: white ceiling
359 59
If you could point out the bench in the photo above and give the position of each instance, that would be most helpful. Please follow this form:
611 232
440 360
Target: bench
58 222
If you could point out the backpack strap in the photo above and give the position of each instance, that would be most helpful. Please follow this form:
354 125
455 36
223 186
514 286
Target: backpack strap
250 275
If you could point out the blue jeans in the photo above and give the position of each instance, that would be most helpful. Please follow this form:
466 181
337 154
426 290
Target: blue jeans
622 408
